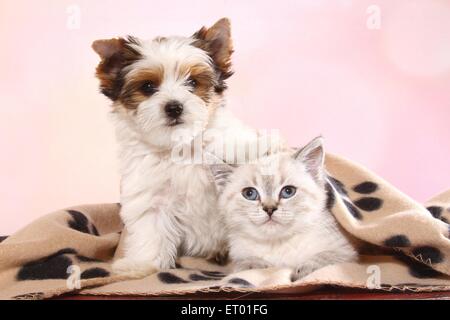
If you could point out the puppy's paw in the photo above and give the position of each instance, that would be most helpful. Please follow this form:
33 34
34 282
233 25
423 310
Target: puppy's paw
133 268
219 257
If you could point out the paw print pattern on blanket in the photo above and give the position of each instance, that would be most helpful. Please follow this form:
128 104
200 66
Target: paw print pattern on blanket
436 212
441 213
201 275
207 276
398 241
240 282
81 223
94 273
170 278
335 184
366 187
428 254
30 296
365 203
56 266
418 269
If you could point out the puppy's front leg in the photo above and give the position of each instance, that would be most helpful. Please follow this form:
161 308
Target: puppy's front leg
150 245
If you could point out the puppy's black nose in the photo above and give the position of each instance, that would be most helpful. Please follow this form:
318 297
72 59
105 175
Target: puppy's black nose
173 109
270 210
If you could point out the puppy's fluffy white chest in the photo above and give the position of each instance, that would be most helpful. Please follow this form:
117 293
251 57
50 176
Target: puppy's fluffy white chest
182 195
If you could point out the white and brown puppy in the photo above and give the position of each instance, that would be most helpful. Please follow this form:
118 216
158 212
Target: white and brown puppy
160 88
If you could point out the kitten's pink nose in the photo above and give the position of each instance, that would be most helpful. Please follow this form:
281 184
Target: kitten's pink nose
270 210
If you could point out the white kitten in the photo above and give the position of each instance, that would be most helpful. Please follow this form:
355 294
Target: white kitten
275 212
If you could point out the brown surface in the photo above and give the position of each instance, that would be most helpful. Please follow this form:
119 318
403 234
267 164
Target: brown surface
323 294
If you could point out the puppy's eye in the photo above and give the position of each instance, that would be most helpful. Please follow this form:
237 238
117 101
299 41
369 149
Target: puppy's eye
191 82
250 194
148 88
287 192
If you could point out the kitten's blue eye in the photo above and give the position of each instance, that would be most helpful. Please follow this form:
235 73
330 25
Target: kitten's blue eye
250 194
287 192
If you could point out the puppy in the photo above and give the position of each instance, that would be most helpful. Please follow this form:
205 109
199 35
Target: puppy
166 92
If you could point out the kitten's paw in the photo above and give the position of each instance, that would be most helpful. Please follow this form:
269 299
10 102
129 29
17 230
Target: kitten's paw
302 272
133 268
250 264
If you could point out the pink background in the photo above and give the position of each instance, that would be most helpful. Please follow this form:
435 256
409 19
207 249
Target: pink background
380 97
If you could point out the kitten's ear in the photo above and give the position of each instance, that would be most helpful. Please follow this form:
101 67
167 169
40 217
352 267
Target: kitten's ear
313 157
220 170
216 40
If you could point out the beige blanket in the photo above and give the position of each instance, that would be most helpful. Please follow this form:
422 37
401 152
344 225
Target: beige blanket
407 247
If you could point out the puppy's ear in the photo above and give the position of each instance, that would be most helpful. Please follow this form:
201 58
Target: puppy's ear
106 48
216 40
115 54
313 157
220 170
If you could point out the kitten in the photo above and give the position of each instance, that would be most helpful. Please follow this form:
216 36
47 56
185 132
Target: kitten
275 213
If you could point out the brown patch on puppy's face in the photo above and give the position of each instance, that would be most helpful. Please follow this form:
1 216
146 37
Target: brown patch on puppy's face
200 78
217 42
115 55
140 85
